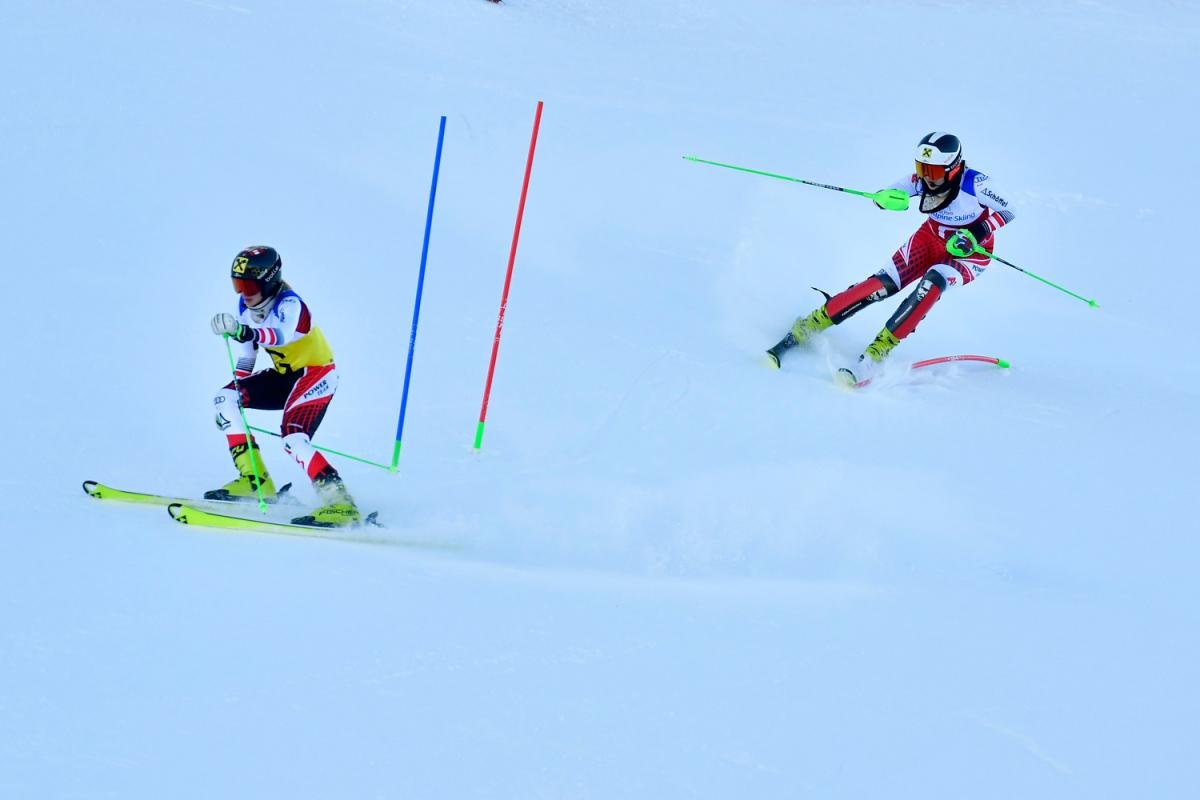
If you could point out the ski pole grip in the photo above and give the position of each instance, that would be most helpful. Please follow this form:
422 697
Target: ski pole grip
891 199
957 252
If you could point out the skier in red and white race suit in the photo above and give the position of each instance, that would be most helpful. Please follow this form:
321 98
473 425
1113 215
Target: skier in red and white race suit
957 199
301 382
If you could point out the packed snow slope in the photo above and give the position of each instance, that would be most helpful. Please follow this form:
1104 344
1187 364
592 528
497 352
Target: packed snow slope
670 572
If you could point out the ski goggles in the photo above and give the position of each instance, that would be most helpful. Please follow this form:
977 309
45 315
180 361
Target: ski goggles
247 287
933 172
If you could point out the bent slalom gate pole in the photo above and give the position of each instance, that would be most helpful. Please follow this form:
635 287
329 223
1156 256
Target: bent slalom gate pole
975 248
237 387
891 199
929 362
512 257
412 339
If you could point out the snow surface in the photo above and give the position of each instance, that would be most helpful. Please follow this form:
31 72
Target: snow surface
670 572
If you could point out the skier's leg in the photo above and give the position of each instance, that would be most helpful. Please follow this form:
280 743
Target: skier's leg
226 405
843 305
308 400
337 505
836 310
923 255
306 407
925 251
910 313
261 390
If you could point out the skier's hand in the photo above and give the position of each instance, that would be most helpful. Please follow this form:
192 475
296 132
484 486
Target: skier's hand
890 199
223 324
960 245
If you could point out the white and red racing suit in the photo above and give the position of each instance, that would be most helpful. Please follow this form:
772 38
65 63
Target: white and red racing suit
975 205
301 380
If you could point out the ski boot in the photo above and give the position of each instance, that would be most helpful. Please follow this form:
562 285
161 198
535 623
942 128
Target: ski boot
881 348
245 486
868 363
339 509
803 328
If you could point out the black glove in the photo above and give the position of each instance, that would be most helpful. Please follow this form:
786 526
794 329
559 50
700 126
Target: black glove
960 244
979 229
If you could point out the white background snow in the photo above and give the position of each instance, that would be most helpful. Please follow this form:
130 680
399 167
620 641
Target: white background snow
674 573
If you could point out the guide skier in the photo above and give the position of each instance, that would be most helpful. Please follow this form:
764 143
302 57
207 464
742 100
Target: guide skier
957 199
301 382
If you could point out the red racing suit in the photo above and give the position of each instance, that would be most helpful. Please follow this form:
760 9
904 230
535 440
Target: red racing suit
974 205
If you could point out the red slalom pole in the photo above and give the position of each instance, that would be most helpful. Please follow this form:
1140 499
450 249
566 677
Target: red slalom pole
512 257
929 362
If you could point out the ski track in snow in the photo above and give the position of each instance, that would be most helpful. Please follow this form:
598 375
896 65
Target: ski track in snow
1025 743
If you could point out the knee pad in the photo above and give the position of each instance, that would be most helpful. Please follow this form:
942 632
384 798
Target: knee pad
226 406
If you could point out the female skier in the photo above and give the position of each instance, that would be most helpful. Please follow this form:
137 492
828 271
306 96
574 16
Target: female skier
301 381
956 198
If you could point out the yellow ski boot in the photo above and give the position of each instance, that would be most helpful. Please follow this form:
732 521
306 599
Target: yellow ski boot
879 349
245 485
339 509
868 363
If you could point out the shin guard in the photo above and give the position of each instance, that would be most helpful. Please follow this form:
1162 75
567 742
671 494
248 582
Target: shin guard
844 305
917 305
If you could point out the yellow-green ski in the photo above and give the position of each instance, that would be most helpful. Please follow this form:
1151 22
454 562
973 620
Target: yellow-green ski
102 492
190 515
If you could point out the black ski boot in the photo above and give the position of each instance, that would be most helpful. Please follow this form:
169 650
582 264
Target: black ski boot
775 354
801 332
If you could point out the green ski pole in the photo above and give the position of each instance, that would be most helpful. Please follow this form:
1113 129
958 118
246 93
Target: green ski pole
262 504
359 459
975 248
891 199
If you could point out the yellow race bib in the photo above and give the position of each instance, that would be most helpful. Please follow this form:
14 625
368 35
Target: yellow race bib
310 350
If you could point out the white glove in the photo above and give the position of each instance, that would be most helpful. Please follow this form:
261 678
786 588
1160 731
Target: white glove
226 324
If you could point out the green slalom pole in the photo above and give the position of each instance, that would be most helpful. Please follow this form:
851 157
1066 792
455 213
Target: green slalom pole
891 199
331 450
975 248
262 503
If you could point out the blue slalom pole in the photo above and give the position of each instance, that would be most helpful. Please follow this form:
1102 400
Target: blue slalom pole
412 339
